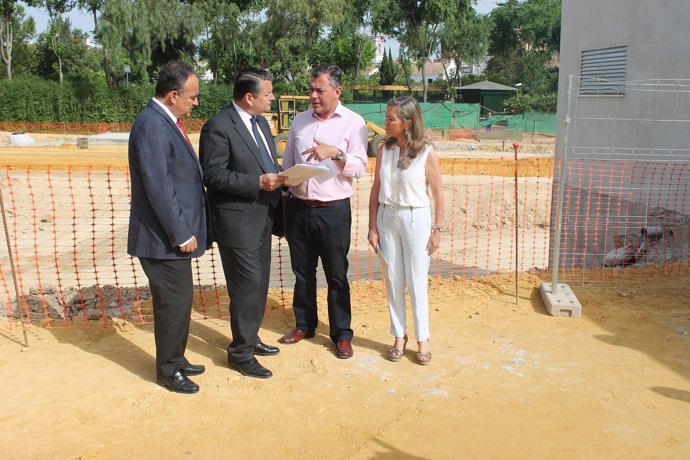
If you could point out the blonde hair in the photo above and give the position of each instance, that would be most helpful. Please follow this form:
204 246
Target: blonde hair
409 110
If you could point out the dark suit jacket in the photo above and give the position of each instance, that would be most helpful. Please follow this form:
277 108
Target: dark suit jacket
232 164
168 200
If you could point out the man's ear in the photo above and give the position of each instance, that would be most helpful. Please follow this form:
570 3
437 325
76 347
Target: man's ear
249 99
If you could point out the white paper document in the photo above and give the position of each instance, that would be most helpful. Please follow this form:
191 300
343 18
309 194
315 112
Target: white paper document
301 172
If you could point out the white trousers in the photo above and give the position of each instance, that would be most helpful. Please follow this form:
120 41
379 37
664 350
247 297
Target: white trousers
402 242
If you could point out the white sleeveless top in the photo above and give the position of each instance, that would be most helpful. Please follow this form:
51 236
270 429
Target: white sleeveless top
412 181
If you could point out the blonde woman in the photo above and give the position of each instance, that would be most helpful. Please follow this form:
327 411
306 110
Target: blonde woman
400 220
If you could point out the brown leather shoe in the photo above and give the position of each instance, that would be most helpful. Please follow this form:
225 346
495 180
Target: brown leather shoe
295 336
343 349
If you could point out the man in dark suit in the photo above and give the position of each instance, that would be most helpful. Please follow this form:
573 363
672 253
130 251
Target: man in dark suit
169 219
241 170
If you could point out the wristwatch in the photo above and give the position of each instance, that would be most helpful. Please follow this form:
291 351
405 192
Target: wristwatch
340 155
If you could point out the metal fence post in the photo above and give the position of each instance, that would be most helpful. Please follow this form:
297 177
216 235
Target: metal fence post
561 299
561 188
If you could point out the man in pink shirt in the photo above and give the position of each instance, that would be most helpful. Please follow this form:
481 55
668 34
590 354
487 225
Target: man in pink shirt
318 216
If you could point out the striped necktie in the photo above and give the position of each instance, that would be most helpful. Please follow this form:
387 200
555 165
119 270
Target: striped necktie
268 161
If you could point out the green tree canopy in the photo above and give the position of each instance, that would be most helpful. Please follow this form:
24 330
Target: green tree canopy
150 32
224 44
387 70
525 38
465 38
416 25
76 59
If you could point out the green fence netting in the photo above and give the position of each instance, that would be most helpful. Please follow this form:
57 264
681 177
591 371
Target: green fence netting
447 115
441 115
540 123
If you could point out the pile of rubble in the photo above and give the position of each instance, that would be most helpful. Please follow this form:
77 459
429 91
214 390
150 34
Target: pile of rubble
649 245
93 302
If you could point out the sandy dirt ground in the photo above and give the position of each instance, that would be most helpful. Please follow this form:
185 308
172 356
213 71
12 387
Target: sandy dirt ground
507 381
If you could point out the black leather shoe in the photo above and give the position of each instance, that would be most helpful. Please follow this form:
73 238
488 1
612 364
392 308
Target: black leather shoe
194 369
179 383
261 349
251 368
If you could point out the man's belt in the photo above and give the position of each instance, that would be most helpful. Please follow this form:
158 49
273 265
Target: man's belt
317 203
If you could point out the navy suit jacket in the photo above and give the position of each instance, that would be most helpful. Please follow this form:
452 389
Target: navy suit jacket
169 203
232 164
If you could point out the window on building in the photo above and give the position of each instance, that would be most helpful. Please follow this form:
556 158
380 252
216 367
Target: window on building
604 71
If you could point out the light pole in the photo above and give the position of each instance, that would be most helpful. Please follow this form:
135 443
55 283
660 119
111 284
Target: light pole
518 85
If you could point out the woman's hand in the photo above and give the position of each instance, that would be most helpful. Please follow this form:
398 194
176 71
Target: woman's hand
373 238
434 242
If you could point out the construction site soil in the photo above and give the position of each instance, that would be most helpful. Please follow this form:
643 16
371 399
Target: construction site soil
506 381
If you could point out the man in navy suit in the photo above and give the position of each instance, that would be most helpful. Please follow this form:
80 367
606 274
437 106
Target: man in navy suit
241 169
169 219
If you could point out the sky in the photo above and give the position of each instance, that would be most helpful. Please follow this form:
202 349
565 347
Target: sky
84 21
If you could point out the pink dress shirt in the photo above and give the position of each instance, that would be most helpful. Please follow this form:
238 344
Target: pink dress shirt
344 129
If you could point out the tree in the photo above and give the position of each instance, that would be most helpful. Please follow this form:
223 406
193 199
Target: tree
525 37
11 14
23 50
231 37
350 50
504 37
285 40
465 39
541 25
416 25
94 7
76 60
147 28
406 69
57 27
387 70
353 49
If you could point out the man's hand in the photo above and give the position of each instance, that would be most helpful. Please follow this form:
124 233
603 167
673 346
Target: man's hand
321 151
270 181
190 246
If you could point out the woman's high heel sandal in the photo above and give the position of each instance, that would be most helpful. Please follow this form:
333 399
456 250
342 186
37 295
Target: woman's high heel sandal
396 354
423 358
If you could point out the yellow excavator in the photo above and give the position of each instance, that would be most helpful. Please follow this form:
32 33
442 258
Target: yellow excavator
289 106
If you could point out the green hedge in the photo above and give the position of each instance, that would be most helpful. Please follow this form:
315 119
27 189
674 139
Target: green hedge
34 99
523 103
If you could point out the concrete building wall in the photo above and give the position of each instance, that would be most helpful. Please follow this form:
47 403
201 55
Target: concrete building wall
657 34
634 148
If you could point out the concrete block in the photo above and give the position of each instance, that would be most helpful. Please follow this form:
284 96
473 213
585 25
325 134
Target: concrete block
21 139
102 140
562 303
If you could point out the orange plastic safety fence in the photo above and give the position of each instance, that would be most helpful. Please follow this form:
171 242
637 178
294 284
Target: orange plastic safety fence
621 214
68 232
69 227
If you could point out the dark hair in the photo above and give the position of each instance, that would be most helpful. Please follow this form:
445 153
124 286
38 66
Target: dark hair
172 77
416 136
335 75
249 81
